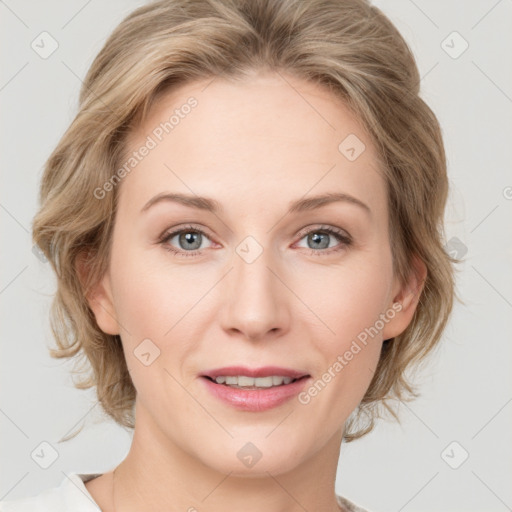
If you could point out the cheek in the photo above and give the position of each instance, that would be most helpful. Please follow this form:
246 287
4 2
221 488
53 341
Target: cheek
160 302
151 294
148 304
145 305
149 309
350 305
347 300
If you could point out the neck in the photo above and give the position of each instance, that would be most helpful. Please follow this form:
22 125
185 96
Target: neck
158 475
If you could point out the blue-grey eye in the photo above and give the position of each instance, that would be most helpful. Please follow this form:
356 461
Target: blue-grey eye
189 240
319 240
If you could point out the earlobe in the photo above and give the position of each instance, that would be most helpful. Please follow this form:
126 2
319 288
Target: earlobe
406 300
100 300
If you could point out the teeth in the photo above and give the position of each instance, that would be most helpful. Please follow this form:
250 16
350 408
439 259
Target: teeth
241 381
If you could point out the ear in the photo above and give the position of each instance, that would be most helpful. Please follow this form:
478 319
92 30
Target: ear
99 298
405 300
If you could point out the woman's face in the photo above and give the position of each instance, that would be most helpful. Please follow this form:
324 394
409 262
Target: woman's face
266 284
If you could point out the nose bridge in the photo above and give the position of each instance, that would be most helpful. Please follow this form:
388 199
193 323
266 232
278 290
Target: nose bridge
256 302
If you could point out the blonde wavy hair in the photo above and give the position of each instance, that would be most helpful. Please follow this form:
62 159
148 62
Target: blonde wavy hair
348 46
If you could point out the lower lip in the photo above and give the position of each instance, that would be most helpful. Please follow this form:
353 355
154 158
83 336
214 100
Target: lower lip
255 400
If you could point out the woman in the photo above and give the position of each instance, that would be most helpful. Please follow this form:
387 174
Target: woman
245 220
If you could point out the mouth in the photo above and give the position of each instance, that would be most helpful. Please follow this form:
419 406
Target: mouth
254 378
244 382
254 390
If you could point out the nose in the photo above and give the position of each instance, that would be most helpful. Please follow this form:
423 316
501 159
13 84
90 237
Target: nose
256 300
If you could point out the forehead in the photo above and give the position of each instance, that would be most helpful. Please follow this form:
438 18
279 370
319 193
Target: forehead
269 135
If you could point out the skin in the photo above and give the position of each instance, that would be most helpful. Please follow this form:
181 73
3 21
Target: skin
254 145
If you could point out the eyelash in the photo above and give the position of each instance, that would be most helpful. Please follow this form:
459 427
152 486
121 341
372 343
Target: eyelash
340 235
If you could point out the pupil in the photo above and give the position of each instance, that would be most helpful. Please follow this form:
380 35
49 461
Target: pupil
189 239
316 238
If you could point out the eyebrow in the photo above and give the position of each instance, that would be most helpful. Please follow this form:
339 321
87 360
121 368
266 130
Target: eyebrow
211 205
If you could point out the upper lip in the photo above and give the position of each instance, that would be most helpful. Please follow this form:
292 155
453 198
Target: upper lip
265 371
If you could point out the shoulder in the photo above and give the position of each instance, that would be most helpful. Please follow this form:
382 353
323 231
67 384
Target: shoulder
350 506
71 494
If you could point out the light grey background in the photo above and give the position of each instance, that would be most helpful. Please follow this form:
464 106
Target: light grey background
467 391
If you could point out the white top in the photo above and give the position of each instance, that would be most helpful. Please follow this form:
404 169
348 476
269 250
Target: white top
72 495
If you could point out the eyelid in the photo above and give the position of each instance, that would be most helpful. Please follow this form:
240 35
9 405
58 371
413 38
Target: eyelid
172 232
345 239
324 227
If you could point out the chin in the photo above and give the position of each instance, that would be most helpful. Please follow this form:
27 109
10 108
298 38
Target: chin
256 459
